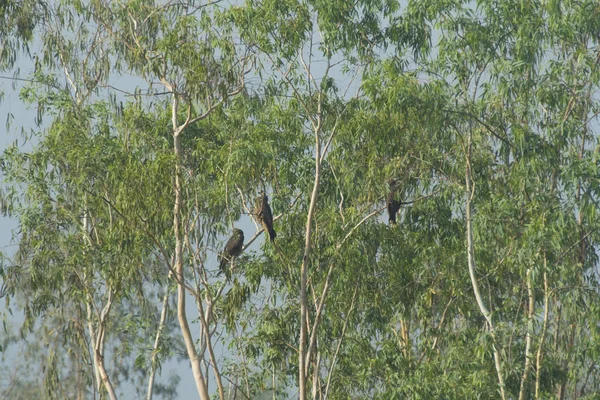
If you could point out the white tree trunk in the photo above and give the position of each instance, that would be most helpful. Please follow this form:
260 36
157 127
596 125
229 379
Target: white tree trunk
201 385
304 268
471 263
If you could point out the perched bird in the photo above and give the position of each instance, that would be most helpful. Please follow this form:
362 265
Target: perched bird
232 249
393 205
263 211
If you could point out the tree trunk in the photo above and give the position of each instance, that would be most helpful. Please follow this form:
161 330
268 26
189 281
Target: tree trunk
304 267
471 263
181 314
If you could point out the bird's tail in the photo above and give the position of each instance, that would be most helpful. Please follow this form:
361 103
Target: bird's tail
223 265
272 234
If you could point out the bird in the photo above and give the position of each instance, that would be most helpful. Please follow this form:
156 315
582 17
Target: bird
393 205
265 215
232 249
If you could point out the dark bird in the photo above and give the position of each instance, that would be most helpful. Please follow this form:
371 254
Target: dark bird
263 211
232 249
393 205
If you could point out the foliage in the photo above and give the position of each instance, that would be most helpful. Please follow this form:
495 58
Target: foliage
487 108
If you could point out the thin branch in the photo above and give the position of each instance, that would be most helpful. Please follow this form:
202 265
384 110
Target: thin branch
14 78
303 358
319 305
214 106
99 348
294 89
339 345
333 132
564 254
250 212
439 325
485 124
380 210
539 355
528 338
341 203
159 331
213 359
68 75
92 334
362 221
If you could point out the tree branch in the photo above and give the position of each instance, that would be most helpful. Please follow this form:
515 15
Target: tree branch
339 345
538 358
530 310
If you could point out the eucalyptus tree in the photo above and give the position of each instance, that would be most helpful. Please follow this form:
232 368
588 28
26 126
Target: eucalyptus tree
309 49
483 114
454 103
517 143
527 202
94 222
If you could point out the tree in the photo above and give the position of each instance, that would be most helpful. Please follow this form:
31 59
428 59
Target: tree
101 196
484 115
